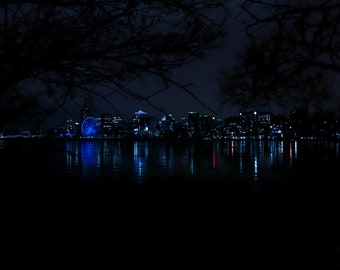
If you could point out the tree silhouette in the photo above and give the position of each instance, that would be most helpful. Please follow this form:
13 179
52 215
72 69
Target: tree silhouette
293 49
55 51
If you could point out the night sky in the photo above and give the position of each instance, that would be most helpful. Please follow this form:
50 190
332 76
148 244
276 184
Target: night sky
201 75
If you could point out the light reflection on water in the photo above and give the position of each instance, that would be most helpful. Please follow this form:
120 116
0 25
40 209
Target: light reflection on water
142 161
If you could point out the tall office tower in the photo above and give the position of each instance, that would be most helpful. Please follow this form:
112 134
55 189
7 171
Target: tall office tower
85 111
193 117
88 107
106 120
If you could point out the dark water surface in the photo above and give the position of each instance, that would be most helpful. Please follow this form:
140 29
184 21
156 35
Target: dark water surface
233 204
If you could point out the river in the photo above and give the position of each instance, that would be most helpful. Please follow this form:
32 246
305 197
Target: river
251 202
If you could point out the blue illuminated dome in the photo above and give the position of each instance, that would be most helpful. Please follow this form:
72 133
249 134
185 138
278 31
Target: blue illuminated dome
89 127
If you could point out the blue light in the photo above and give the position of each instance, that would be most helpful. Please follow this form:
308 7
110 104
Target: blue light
89 127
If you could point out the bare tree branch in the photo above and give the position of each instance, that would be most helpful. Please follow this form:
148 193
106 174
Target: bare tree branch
294 48
68 48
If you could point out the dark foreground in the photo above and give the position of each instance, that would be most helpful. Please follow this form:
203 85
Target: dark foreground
102 226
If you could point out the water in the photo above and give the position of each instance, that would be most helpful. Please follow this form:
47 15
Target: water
254 203
145 160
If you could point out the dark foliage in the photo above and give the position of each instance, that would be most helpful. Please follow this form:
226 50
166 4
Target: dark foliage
293 49
57 51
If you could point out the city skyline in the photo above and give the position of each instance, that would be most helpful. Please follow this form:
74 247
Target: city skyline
194 85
